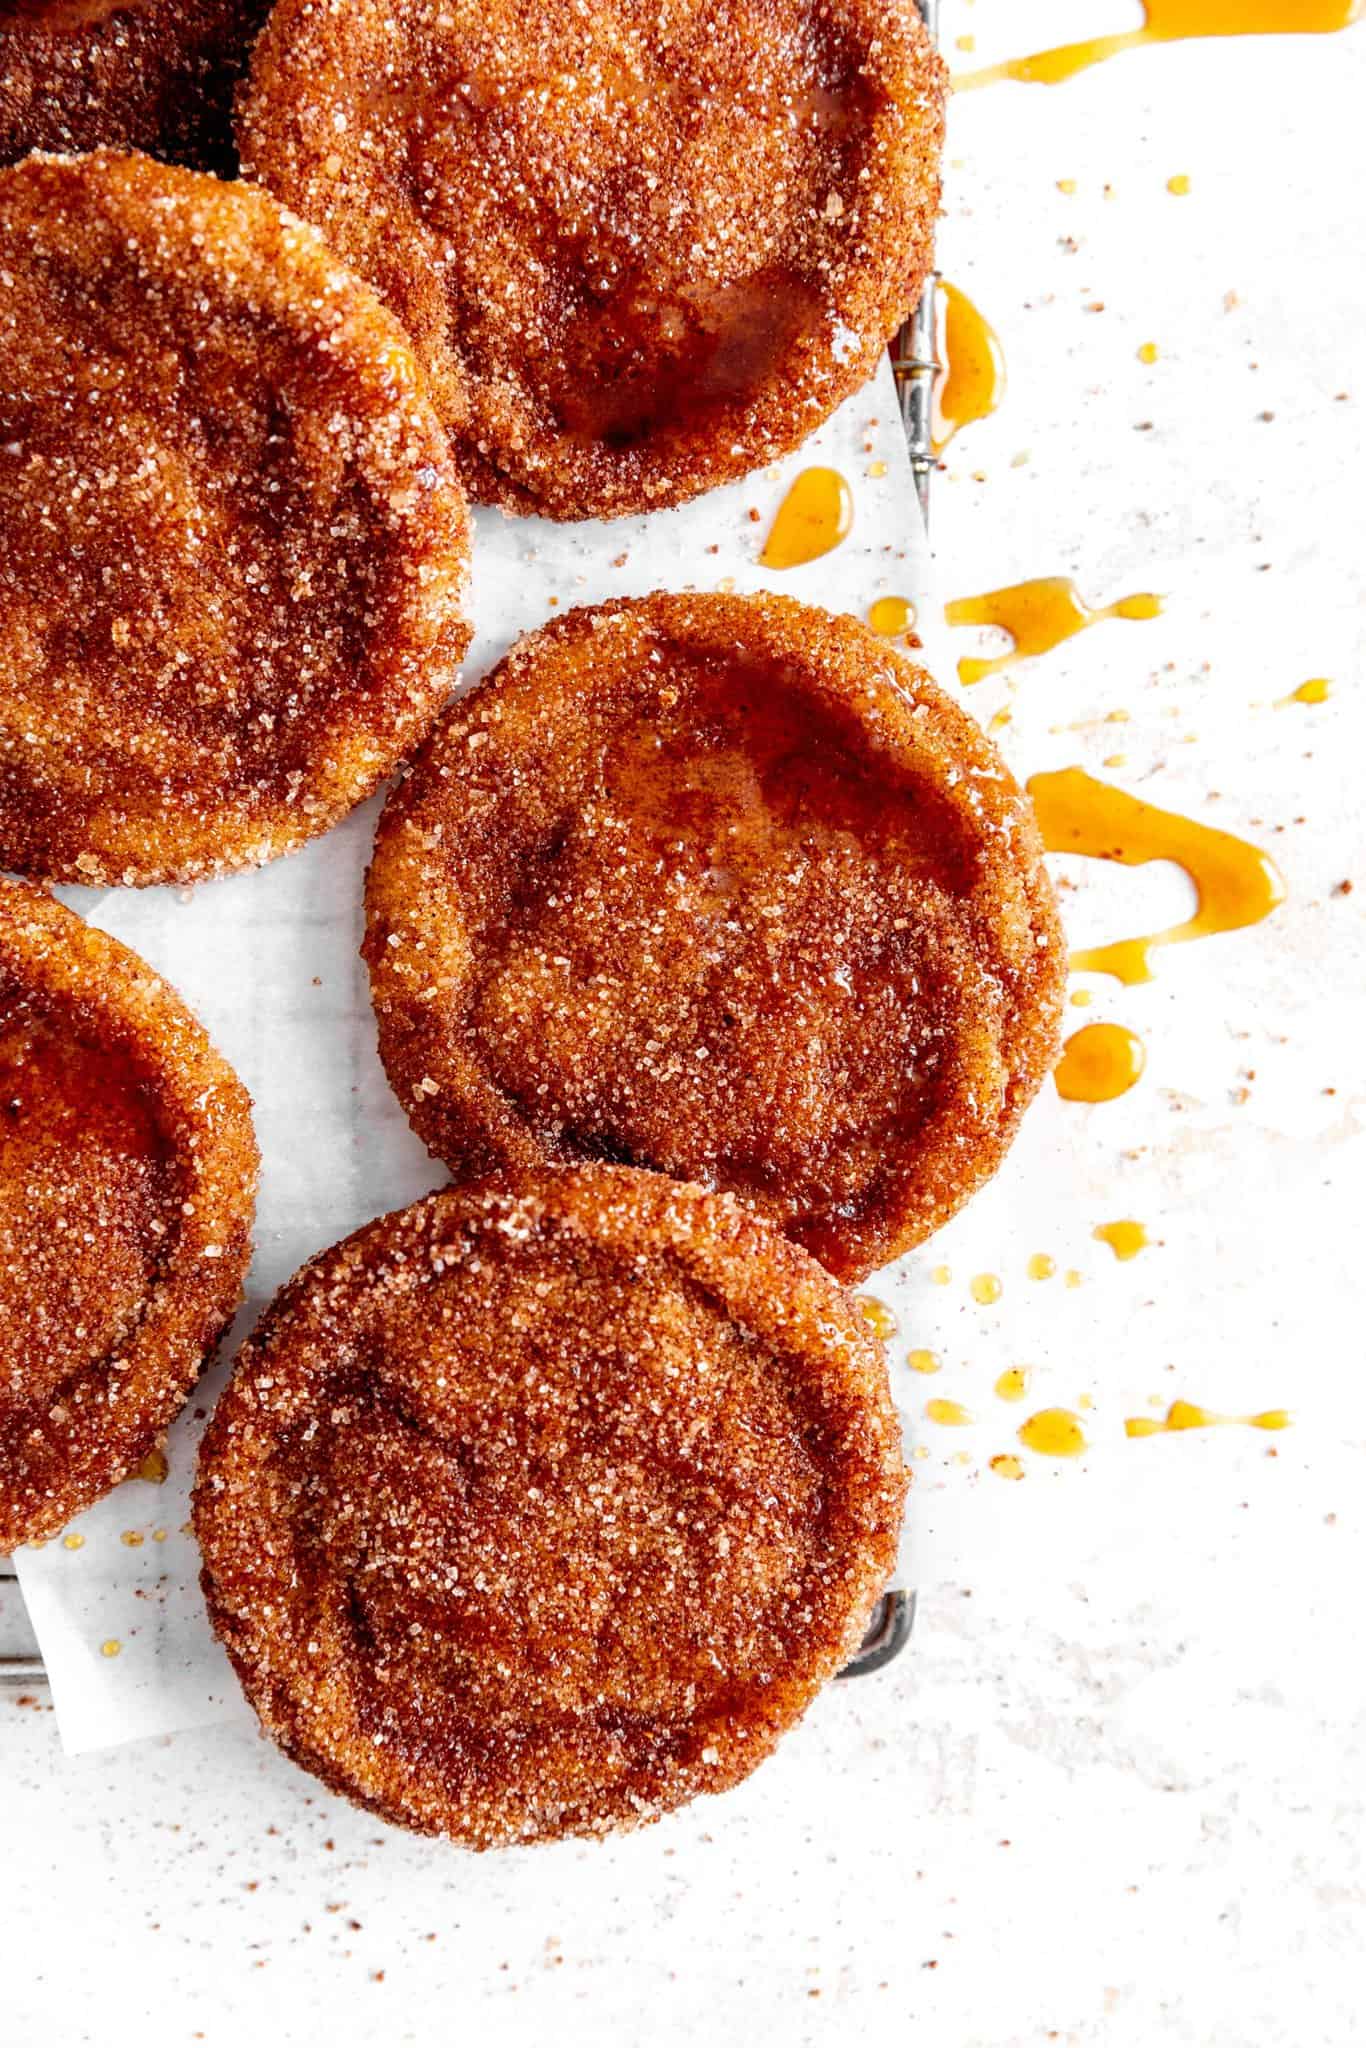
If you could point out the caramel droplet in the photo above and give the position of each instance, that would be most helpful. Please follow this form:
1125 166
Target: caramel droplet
814 517
985 1288
1099 1063
1053 1433
1006 1465
1126 1239
1235 883
923 1361
949 1412
1316 691
111 1648
1013 1383
1041 1267
153 1468
891 616
877 1314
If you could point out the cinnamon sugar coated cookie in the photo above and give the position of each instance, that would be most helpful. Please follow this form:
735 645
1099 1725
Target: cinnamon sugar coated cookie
725 887
641 249
136 74
537 1513
127 1183
232 544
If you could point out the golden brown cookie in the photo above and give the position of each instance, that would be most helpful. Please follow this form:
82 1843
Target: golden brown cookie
134 74
232 544
537 1513
725 887
127 1183
641 249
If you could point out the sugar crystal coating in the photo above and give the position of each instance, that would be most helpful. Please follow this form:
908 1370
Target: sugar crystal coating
232 545
537 1512
127 1184
640 249
726 887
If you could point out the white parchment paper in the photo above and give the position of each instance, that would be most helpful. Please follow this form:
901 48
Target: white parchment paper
269 962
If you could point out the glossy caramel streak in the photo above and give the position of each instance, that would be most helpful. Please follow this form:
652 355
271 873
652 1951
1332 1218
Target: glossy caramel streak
1171 21
974 381
1039 616
1236 884
1184 1415
814 517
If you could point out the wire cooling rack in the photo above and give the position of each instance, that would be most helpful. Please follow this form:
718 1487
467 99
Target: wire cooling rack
915 367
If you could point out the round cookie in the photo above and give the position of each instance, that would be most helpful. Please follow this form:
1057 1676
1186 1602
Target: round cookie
725 887
641 250
127 1184
232 544
536 1513
156 75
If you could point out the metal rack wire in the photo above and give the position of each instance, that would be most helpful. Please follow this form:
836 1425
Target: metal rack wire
24 1669
915 368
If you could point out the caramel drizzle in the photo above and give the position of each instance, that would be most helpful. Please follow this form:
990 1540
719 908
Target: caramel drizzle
1188 1415
814 517
1038 616
974 380
1236 884
1170 21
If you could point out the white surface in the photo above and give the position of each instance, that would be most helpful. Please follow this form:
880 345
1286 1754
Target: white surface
1115 1792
